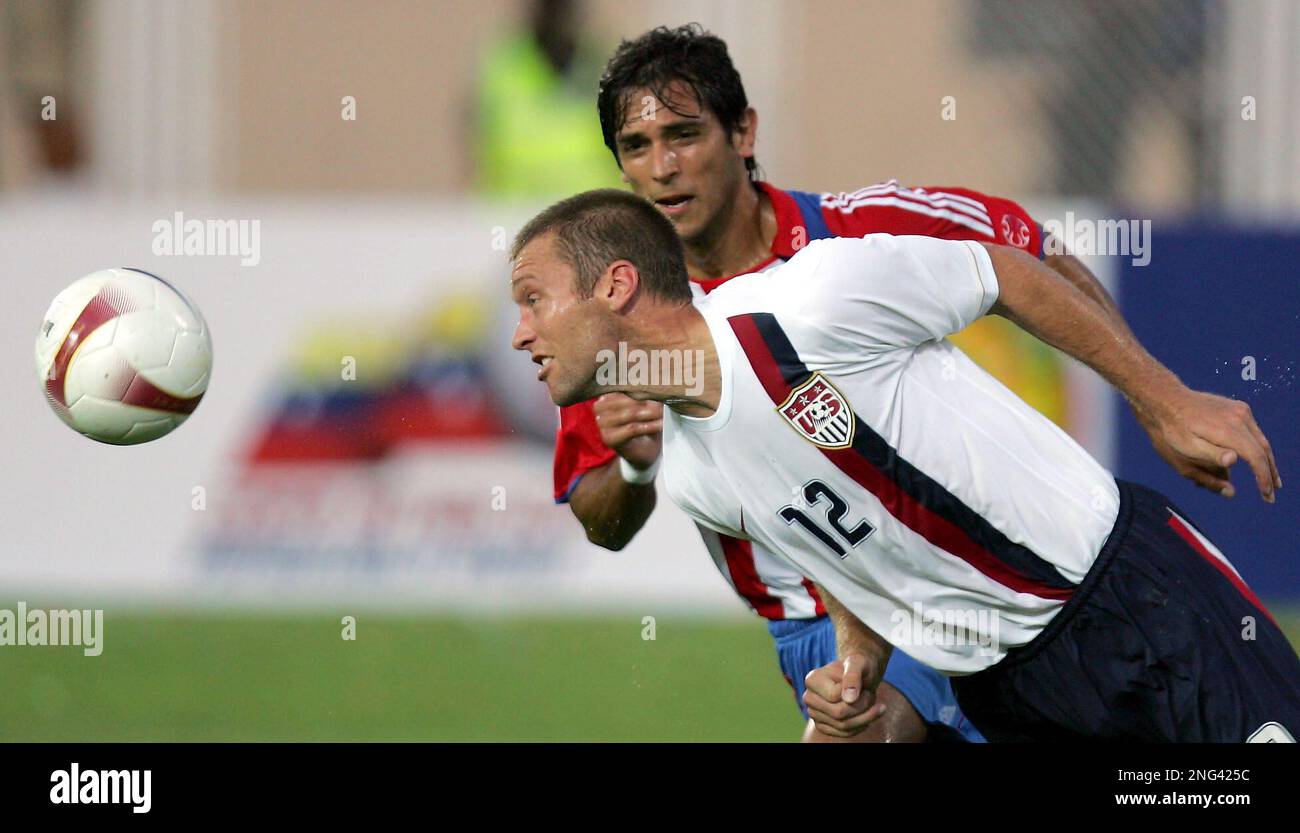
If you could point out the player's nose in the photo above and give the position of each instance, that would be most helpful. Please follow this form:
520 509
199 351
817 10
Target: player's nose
665 163
524 336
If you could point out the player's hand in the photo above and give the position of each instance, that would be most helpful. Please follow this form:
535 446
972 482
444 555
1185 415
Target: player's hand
631 427
1203 435
837 700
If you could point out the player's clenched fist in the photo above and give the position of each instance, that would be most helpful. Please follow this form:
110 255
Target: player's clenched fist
631 427
836 699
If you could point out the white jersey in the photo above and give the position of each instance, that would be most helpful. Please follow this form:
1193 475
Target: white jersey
853 440
769 583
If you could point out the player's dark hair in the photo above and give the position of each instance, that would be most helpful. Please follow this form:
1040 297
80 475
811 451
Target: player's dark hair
595 228
658 58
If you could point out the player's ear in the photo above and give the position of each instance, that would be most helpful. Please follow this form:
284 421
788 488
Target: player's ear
619 285
746 133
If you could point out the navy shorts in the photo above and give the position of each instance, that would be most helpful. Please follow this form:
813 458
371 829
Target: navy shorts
1162 641
805 644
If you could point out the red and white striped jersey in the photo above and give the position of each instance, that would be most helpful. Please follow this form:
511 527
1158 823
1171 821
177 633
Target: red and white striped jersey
768 583
853 440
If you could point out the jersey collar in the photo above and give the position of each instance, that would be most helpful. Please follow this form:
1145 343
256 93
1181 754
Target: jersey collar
724 344
788 219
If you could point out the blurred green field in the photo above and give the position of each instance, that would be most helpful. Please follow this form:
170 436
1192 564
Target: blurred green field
215 677
218 677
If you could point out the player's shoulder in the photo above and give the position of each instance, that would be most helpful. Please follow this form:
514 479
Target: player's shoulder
832 256
815 268
953 212
882 269
891 193
745 292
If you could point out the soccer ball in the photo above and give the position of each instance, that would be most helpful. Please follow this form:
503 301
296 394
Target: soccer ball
123 357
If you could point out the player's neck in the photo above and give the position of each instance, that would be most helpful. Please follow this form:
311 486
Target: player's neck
742 241
678 358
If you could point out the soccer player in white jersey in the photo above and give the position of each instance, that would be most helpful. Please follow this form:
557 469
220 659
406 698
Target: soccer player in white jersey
676 118
844 433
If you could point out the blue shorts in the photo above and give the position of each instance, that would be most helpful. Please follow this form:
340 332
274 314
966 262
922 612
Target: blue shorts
805 644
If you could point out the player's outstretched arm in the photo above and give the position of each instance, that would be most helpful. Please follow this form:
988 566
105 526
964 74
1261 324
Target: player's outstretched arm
841 696
610 508
1072 269
1200 434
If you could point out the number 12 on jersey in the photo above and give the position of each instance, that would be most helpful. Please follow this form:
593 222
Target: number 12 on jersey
814 492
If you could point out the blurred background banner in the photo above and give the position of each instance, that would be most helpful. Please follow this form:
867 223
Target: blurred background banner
336 184
368 436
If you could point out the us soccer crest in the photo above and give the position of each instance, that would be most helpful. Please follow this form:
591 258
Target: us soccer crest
820 413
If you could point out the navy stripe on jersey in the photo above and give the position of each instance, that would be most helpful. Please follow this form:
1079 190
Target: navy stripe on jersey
906 492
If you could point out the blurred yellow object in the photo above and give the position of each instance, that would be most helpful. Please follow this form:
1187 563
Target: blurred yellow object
457 323
537 135
321 356
382 349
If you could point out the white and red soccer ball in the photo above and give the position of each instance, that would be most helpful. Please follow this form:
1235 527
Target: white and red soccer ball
123 357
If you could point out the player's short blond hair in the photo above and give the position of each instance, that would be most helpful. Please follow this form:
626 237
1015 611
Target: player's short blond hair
595 228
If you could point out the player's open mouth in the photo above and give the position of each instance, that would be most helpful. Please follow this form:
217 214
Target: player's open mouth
545 362
674 204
